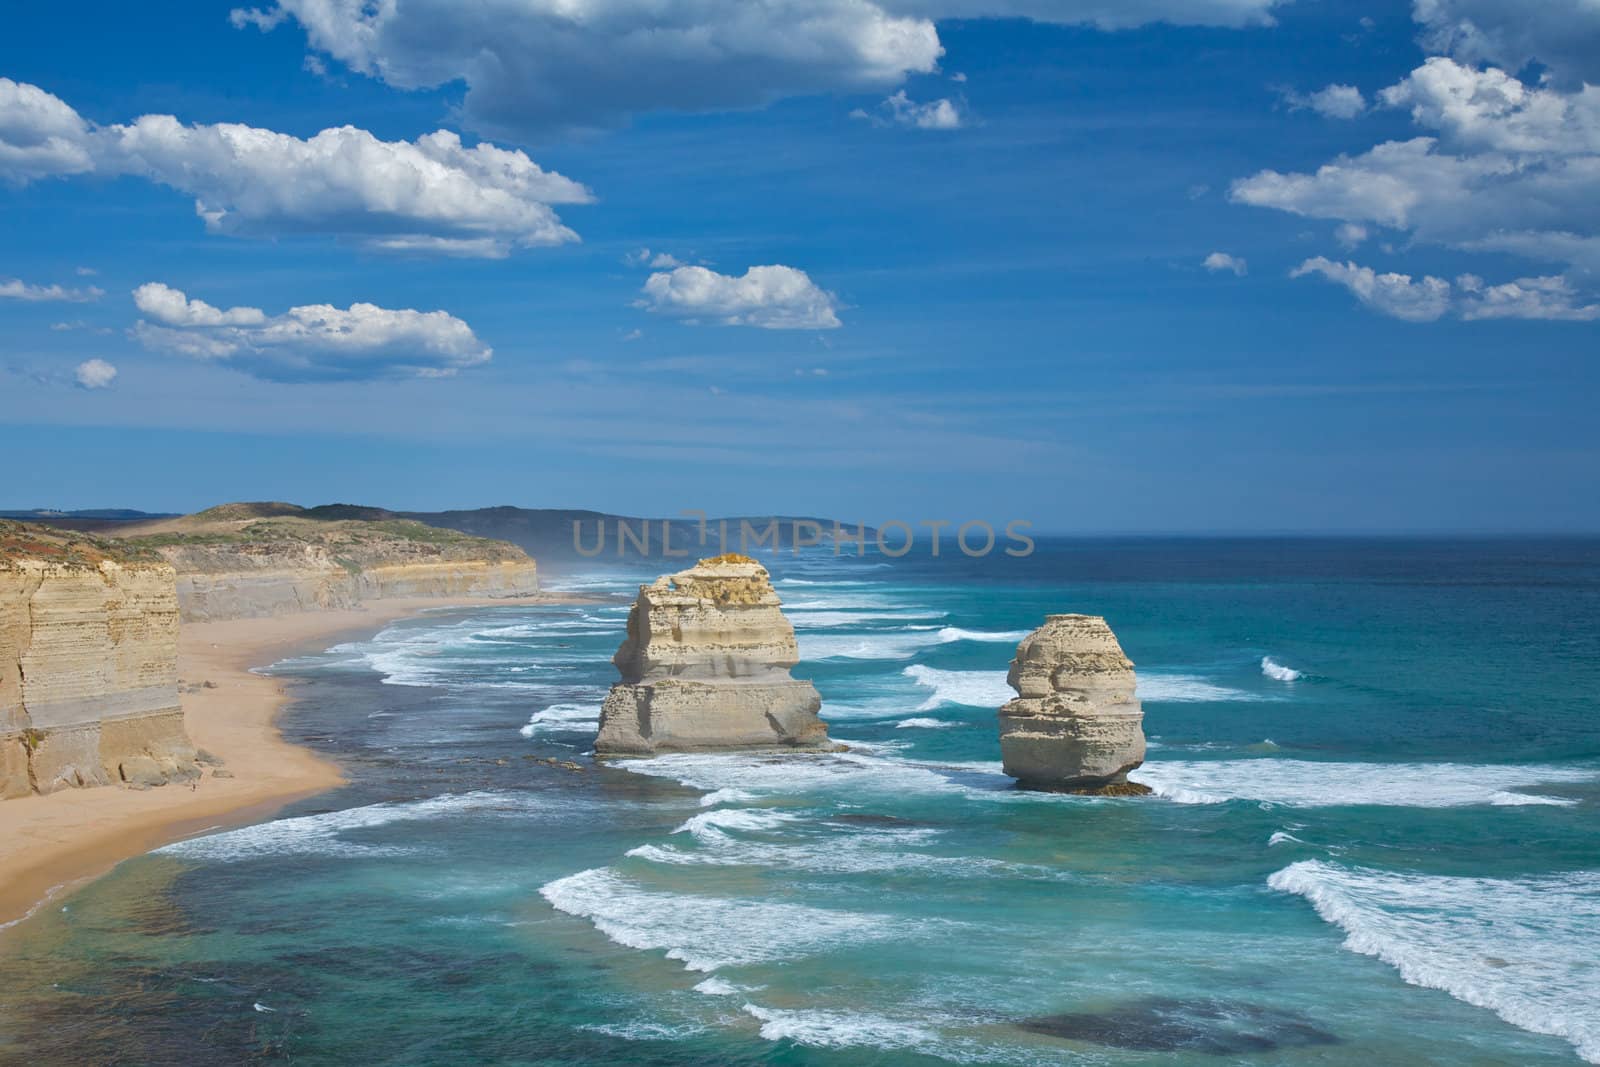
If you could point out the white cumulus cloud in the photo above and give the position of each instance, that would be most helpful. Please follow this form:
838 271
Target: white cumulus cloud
309 343
39 135
1562 34
1350 234
643 257
17 289
95 374
552 64
1550 298
171 307
941 114
1221 261
434 195
771 297
1102 14
1504 167
1491 110
1421 300
537 65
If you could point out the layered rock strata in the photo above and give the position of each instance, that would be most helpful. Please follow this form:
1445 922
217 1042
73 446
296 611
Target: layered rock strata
1076 725
249 560
88 666
261 581
706 666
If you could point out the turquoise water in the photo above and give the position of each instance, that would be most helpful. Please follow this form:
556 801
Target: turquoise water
1374 839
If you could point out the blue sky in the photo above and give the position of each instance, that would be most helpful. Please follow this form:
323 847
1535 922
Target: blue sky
1005 311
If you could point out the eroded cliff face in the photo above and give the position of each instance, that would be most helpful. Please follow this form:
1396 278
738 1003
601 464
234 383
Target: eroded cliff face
284 565
88 670
1076 724
706 666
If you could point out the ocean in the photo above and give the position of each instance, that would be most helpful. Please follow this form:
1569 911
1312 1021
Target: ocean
1374 838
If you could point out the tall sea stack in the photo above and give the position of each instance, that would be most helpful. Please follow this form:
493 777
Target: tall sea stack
1075 725
706 666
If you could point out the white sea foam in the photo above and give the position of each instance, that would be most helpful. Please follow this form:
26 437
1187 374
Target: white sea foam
1277 671
725 796
452 653
721 987
923 724
839 1029
709 827
808 581
836 620
586 625
760 775
707 933
848 602
887 707
1185 688
562 717
1304 783
1281 837
1523 948
862 852
977 689
901 644
645 1030
322 834
853 774
951 634
779 840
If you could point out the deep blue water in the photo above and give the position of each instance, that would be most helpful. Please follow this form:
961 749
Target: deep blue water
1392 857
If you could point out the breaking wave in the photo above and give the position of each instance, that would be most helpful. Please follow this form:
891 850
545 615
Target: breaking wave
1522 948
1305 783
707 933
839 1029
955 633
893 645
1277 671
974 689
1185 688
563 717
323 834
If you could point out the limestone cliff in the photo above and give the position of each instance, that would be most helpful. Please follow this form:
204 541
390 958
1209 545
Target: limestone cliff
250 560
88 665
706 666
1075 724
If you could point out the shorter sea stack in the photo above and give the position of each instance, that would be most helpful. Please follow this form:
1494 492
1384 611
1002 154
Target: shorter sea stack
1075 725
705 666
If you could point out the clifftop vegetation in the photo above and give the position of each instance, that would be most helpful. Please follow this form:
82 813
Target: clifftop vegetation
26 541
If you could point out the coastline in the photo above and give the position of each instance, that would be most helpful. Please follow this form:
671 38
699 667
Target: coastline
52 845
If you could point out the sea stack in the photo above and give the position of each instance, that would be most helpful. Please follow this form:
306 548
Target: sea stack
705 666
1075 725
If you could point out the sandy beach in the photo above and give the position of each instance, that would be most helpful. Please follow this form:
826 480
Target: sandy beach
50 845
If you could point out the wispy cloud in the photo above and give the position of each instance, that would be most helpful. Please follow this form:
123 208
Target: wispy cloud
16 289
1427 299
95 374
1218 262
